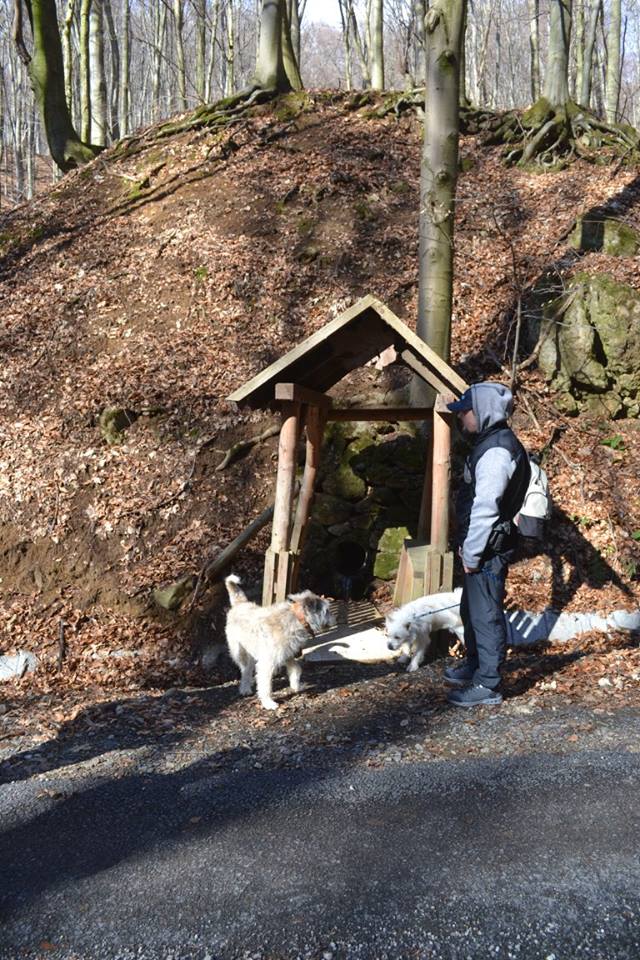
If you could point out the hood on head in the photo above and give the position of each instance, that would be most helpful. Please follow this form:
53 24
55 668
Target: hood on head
492 403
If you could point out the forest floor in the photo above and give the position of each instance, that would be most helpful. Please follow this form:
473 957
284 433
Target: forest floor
160 278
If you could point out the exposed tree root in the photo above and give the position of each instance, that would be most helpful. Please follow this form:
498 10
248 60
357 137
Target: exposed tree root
221 114
549 138
218 114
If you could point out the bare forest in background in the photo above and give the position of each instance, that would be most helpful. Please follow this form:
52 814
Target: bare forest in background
130 63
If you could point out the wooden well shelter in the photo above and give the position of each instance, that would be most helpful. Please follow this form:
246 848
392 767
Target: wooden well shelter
296 385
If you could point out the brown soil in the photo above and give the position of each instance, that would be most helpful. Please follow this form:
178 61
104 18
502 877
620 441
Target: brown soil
160 279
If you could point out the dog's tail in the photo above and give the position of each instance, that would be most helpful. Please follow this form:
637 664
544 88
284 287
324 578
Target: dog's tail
235 591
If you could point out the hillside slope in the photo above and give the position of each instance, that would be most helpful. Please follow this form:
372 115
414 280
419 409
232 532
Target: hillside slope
163 275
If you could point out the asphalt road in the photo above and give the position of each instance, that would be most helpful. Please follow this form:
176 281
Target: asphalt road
520 857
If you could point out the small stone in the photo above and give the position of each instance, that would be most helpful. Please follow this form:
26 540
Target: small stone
604 682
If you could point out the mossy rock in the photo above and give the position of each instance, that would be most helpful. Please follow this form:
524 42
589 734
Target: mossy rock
389 550
328 510
173 595
309 253
608 405
291 105
591 344
389 463
344 483
114 422
594 233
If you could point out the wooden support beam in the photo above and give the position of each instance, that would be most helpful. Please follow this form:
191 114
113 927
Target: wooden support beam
441 478
428 374
315 419
424 517
390 414
277 564
295 393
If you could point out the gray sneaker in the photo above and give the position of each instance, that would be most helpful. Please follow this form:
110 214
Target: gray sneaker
475 695
459 676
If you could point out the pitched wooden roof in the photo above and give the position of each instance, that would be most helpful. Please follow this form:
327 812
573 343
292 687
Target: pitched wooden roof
351 340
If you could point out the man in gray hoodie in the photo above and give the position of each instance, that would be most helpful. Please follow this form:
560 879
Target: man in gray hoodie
496 476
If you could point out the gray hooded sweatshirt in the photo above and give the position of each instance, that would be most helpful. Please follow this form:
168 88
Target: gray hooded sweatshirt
492 404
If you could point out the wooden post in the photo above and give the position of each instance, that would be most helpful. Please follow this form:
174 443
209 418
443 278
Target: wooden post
315 419
424 518
441 475
277 561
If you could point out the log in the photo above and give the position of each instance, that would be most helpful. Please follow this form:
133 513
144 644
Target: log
224 558
390 414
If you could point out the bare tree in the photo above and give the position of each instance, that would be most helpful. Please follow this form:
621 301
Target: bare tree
46 72
376 23
97 84
439 172
614 37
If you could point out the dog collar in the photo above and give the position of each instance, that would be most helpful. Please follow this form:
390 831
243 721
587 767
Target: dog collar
298 613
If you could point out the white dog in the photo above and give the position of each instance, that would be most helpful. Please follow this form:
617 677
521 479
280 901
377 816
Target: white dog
264 639
411 626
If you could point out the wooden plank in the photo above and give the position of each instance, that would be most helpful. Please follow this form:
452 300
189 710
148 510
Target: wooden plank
440 366
298 352
404 578
435 572
283 574
429 365
389 414
423 371
296 393
441 481
268 578
447 571
441 402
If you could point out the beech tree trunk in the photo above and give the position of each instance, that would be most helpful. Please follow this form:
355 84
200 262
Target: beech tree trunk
124 94
201 48
46 73
66 49
556 85
275 35
178 16
85 75
159 30
114 78
439 172
377 45
421 12
98 86
586 73
534 47
612 95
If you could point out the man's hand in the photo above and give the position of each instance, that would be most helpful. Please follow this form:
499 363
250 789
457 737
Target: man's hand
464 566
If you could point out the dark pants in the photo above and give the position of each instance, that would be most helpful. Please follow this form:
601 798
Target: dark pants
485 628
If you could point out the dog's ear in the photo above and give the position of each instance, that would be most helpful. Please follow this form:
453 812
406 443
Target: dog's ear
301 597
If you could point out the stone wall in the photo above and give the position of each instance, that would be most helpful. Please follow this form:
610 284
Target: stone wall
368 493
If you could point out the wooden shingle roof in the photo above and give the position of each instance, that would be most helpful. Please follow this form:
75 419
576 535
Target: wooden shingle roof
351 340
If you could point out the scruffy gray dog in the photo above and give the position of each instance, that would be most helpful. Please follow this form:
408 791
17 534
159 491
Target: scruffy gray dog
265 639
411 626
